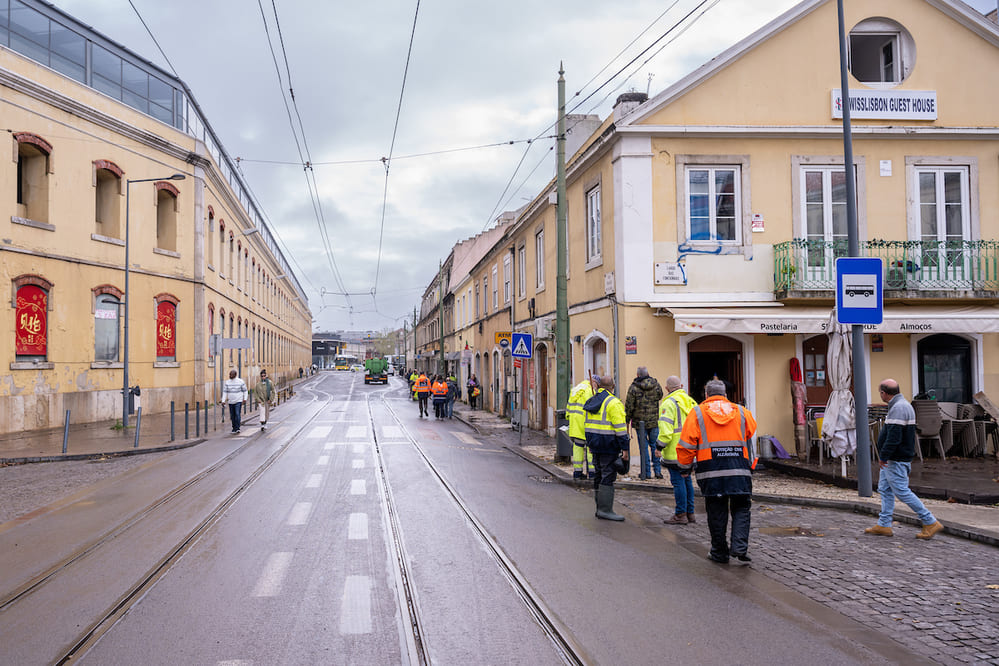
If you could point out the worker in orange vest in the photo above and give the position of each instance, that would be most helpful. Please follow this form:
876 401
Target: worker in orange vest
439 391
421 387
718 435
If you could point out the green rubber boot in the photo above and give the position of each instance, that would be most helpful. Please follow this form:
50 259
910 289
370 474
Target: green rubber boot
605 504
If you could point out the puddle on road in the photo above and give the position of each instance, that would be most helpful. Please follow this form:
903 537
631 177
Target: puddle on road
788 531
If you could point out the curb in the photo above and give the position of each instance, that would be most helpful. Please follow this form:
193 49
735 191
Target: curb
99 455
954 529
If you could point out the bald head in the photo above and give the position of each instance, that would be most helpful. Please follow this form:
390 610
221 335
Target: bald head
605 381
889 389
673 383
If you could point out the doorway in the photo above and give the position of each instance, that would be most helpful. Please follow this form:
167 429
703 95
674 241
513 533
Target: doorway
817 387
539 383
944 363
716 356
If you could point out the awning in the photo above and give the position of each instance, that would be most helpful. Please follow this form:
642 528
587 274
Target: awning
810 320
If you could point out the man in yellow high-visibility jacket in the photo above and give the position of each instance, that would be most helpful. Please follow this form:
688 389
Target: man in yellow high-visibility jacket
607 437
582 459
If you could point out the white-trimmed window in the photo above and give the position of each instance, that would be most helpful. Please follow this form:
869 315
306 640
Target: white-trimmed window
521 271
882 53
944 221
507 276
539 258
824 205
495 287
476 300
713 204
594 245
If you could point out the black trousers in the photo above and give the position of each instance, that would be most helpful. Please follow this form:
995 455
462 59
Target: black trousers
718 510
424 398
604 472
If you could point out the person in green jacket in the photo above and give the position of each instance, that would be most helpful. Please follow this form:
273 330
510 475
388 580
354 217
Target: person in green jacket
582 459
264 394
673 411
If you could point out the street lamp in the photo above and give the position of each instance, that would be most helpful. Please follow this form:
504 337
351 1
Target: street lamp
124 371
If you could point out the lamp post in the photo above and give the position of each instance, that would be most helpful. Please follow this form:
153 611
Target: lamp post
124 360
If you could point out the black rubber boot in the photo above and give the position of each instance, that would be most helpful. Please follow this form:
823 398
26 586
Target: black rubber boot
605 504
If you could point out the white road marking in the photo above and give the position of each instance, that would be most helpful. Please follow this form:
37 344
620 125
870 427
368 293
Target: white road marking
359 448
323 460
467 438
300 513
314 481
355 608
235 662
356 432
358 487
332 445
392 432
269 583
358 464
357 528
320 431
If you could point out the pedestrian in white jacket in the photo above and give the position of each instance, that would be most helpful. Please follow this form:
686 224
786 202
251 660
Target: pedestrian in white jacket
235 395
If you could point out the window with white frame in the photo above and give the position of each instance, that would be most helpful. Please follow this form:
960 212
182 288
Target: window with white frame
539 258
521 271
476 300
882 53
495 287
713 204
507 275
594 245
944 221
485 295
824 205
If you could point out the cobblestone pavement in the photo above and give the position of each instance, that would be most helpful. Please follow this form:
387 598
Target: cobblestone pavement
934 595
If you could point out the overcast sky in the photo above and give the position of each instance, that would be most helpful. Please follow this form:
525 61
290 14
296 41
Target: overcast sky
479 73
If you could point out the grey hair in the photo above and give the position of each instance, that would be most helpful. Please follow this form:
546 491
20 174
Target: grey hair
643 371
714 387
673 383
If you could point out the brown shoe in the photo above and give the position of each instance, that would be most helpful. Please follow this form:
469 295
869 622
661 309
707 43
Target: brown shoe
677 519
929 530
880 531
691 518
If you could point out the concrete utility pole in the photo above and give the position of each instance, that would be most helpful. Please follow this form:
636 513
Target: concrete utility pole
561 296
853 242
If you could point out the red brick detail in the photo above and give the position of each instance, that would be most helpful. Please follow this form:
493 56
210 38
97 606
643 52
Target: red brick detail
211 211
36 280
110 166
169 187
221 225
35 140
108 289
170 298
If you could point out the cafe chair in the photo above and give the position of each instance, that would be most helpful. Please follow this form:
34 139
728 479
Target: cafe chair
929 422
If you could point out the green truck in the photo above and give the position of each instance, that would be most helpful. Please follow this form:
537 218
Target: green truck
376 371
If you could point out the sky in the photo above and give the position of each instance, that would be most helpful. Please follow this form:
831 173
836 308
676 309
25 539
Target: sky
478 73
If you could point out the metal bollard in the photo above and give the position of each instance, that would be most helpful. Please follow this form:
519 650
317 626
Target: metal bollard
138 426
197 418
172 434
206 418
187 420
65 434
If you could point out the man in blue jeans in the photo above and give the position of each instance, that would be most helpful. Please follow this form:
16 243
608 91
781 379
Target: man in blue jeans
641 408
896 447
673 412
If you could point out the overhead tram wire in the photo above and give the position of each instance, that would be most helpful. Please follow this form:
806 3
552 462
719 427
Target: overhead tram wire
313 190
388 161
153 37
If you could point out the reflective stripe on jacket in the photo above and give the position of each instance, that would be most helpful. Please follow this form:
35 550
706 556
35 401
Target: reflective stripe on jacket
439 389
580 393
716 434
672 412
421 385
606 428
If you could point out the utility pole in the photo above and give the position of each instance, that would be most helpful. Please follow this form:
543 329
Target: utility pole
561 297
853 242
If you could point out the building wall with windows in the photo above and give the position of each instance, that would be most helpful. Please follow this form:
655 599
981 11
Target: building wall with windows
73 146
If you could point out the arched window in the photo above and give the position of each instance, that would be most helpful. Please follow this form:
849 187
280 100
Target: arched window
107 186
31 319
166 328
107 339
166 216
210 250
33 167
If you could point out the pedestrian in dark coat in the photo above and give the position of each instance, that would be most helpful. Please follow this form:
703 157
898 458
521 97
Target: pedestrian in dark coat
642 411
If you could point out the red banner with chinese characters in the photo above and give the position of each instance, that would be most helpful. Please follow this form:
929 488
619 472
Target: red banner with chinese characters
31 324
166 323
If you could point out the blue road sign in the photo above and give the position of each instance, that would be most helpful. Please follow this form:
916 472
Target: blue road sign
859 290
522 344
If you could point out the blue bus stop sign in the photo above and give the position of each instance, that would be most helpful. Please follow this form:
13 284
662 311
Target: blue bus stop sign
859 290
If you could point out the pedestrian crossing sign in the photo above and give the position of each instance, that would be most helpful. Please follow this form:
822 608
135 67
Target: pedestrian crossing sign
522 343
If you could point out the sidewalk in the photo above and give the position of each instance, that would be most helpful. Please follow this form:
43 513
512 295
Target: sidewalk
790 482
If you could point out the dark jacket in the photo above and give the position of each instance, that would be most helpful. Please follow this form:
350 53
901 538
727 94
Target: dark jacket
606 429
897 440
642 403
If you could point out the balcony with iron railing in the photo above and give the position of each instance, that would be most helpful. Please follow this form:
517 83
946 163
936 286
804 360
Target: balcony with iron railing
924 270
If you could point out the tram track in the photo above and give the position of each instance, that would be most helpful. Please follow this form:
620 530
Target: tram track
569 650
105 620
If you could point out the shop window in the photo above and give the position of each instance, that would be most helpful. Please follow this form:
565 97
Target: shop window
166 216
882 52
106 328
31 323
107 183
166 330
32 177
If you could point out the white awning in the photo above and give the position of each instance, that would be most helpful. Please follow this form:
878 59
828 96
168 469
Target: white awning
811 320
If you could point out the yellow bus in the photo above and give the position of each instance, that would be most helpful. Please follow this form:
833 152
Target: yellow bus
344 362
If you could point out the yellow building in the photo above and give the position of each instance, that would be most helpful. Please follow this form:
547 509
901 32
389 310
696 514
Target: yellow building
112 158
703 224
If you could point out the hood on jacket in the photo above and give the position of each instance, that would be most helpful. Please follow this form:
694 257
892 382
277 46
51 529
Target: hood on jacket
719 409
646 383
593 404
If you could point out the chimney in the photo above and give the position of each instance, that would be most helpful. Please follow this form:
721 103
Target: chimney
627 103
578 129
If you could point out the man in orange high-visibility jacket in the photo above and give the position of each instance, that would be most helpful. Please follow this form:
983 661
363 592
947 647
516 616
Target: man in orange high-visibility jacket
439 392
421 387
717 436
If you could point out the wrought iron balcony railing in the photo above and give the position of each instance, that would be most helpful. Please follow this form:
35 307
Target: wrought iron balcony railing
802 265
